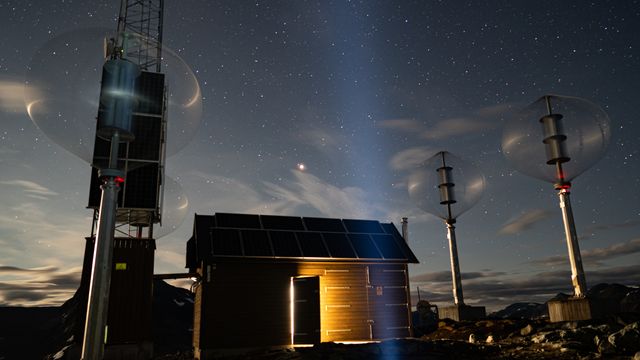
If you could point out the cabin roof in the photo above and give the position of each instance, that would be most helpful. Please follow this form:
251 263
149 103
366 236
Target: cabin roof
226 235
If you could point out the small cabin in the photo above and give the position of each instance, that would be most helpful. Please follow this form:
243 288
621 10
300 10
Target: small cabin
270 281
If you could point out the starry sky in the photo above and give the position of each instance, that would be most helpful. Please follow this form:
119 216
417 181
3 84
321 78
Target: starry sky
360 93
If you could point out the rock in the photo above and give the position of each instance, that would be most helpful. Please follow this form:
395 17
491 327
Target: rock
570 325
605 347
472 338
585 336
631 302
539 339
490 339
527 330
445 325
626 340
636 356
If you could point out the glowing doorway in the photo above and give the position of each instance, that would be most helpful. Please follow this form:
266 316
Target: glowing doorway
305 310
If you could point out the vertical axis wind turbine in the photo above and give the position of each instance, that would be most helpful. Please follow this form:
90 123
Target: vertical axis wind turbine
575 134
432 189
132 106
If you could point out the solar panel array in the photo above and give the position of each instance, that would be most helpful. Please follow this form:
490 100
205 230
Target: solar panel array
244 235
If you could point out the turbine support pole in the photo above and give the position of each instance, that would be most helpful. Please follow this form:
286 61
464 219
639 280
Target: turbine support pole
458 297
577 272
95 330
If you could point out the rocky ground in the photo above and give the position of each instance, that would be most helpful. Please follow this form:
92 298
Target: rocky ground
615 338
520 331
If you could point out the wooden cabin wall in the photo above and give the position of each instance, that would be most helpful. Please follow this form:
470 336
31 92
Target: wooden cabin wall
131 291
247 304
244 305
344 311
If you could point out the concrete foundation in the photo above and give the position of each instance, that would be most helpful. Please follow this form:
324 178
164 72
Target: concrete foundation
462 312
571 309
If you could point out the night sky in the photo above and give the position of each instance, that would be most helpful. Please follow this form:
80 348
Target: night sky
360 93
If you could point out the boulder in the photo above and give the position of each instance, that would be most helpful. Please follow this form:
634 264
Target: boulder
626 340
472 338
527 330
490 339
631 302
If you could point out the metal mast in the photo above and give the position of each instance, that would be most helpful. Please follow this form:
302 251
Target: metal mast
142 20
557 155
136 47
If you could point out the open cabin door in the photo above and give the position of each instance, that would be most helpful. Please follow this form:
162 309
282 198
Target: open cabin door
305 310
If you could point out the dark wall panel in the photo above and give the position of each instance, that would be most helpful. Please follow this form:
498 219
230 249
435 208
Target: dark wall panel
131 293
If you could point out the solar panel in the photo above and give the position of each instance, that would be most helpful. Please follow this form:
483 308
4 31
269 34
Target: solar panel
138 191
141 186
281 222
388 246
256 243
323 225
240 221
226 242
241 235
311 244
284 243
146 145
150 88
338 245
390 229
363 226
364 246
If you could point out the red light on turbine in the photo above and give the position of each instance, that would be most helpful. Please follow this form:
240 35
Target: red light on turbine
119 179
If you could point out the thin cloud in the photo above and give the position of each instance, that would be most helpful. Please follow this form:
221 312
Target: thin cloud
406 125
487 118
595 256
613 226
31 189
307 190
14 270
445 276
410 158
524 222
302 194
47 286
499 111
455 127
321 139
12 93
47 238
